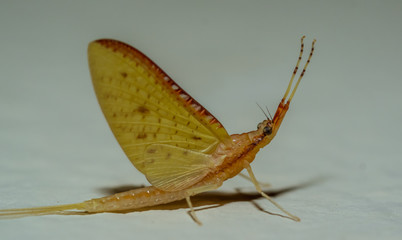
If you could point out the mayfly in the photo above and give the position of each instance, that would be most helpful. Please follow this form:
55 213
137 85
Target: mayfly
180 147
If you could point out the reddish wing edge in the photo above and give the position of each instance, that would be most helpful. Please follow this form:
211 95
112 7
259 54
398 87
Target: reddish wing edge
188 102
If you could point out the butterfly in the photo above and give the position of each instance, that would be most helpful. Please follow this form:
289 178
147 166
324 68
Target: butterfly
180 147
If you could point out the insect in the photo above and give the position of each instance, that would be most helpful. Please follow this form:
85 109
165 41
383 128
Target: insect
180 147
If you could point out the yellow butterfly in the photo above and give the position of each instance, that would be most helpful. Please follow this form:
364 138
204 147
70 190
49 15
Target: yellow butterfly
179 146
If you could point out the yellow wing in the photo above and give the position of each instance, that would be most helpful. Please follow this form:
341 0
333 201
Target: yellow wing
147 110
188 166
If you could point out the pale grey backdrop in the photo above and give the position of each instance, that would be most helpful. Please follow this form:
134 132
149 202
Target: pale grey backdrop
342 134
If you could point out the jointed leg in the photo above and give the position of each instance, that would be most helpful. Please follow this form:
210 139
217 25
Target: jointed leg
192 212
197 190
258 188
260 183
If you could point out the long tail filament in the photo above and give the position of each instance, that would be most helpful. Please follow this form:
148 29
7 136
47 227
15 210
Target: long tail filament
296 69
37 211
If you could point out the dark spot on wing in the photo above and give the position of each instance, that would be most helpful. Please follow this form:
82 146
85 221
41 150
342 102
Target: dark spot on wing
196 138
141 136
123 74
143 109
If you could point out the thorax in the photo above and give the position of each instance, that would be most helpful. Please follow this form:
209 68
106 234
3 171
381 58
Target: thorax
231 156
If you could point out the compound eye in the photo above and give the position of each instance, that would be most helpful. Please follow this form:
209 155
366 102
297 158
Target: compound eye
267 130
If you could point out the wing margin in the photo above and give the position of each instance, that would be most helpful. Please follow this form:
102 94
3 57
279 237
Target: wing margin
192 105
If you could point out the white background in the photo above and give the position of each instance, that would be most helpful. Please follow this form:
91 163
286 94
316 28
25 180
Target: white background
339 148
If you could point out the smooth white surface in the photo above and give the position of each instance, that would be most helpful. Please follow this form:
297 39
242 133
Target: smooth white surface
342 133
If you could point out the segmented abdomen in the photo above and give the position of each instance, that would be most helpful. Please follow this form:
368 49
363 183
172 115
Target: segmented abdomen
138 198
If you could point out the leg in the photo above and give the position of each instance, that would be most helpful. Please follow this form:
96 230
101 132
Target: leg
258 188
192 212
197 190
248 178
